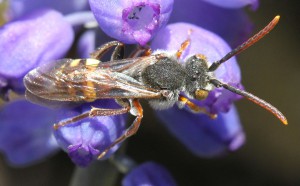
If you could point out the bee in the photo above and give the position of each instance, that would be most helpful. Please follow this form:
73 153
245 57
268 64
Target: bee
157 77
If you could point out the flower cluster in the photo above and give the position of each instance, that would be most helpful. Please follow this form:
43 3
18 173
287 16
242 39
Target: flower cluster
39 32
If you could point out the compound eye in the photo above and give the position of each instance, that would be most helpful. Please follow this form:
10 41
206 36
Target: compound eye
201 94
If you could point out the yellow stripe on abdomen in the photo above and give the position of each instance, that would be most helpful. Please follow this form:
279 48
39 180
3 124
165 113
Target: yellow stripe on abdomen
89 93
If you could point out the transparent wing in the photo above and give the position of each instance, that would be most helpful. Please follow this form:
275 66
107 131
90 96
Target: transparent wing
83 80
130 66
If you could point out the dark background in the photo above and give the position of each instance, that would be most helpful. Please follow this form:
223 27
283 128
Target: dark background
271 155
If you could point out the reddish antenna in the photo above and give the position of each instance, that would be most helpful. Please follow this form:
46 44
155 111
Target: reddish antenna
252 98
248 95
246 44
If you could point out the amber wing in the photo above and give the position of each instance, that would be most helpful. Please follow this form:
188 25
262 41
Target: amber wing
85 80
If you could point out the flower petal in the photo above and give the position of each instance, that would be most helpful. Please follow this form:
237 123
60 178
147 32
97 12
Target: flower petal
214 48
134 21
18 8
25 43
25 132
233 25
234 3
86 44
203 136
149 173
86 139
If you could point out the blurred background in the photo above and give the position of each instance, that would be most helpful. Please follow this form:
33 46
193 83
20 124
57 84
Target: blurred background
271 155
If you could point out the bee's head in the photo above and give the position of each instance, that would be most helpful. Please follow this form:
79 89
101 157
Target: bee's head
197 79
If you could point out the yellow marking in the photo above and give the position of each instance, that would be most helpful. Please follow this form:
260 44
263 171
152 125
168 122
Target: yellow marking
92 62
183 47
276 19
62 67
195 108
284 121
75 63
201 94
201 56
71 90
89 94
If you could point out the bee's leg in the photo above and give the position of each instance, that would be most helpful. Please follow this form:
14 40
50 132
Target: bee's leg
184 45
117 53
141 51
92 113
182 101
137 110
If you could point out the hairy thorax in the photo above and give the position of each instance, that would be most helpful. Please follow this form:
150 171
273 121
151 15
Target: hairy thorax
166 74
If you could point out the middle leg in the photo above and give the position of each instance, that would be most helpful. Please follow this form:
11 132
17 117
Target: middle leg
137 110
93 113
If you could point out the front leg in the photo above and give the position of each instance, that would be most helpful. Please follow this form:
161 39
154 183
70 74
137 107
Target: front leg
118 52
182 101
140 51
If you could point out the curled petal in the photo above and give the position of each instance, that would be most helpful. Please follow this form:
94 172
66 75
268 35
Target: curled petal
203 136
149 173
25 43
134 21
214 48
25 132
86 139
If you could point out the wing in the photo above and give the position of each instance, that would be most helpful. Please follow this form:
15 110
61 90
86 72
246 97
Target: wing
130 66
83 80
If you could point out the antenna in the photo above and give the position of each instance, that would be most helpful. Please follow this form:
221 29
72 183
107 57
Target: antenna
252 98
246 44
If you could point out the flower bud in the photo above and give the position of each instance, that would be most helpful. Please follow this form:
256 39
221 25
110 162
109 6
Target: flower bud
25 132
202 135
134 21
86 139
149 173
214 48
27 42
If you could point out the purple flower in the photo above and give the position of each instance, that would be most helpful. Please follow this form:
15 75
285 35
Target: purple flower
149 174
134 21
202 135
86 44
46 35
18 8
86 139
27 42
214 48
234 3
25 132
233 25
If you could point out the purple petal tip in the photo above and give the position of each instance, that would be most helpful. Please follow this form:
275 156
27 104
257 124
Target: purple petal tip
132 21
